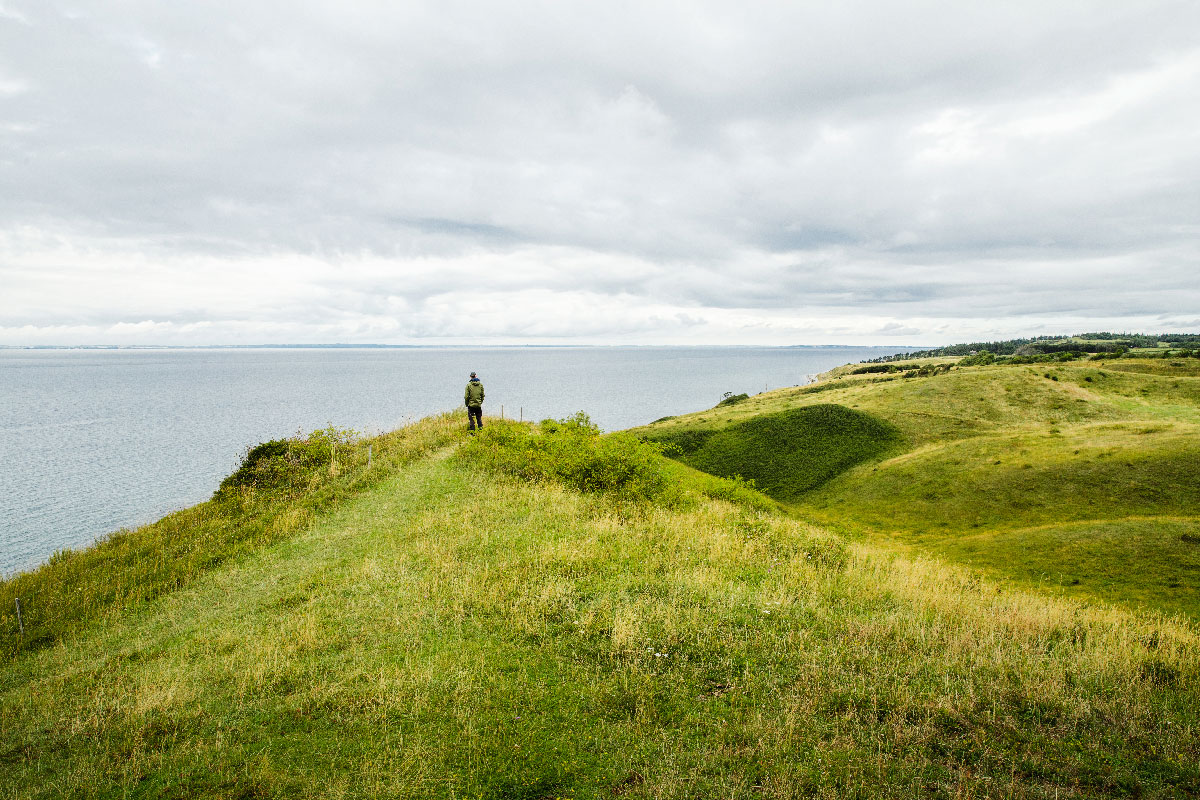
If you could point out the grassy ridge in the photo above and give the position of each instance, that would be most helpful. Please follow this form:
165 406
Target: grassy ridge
455 632
131 567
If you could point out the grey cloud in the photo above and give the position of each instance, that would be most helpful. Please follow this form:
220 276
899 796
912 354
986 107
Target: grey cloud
891 158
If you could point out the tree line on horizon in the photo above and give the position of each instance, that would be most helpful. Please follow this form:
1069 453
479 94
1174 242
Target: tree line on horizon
1096 342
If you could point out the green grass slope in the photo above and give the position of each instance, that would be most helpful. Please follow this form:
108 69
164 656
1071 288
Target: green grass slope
1024 470
453 630
789 452
278 492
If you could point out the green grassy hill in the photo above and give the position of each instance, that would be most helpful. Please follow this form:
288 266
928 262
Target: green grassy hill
1080 476
788 452
544 612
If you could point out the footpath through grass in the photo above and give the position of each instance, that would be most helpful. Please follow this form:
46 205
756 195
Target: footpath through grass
279 490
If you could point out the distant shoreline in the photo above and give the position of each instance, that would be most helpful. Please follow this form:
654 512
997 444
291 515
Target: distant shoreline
432 346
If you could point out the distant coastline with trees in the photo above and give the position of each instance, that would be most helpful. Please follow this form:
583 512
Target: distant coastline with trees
1102 344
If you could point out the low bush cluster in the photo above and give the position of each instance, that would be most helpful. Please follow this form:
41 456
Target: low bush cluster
572 451
731 399
287 466
923 371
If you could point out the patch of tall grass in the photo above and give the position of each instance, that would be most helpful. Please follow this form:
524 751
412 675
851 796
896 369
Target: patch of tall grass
572 451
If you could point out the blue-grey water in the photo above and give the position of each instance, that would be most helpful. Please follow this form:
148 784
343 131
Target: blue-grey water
96 440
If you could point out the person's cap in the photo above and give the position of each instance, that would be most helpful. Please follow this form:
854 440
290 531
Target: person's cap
472 374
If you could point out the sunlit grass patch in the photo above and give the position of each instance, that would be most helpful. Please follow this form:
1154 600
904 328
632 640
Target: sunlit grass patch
1025 479
1153 562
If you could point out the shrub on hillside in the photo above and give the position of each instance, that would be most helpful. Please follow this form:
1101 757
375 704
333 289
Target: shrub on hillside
979 359
682 441
288 465
572 451
732 399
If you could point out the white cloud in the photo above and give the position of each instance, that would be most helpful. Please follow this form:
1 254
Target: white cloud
12 14
616 172
12 86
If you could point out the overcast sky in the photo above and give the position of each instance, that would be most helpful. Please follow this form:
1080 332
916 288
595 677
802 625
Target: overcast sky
869 172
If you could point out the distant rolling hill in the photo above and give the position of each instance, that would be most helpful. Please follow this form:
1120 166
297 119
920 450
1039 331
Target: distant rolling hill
1081 476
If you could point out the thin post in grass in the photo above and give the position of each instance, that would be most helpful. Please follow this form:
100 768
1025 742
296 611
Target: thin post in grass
20 621
522 419
368 456
501 411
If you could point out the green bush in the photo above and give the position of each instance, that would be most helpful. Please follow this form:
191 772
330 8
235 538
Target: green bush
682 441
732 399
872 369
285 466
979 359
573 452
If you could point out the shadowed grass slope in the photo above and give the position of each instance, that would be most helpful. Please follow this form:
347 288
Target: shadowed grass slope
787 453
454 631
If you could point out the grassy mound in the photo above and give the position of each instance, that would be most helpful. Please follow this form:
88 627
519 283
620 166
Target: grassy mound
1025 479
787 453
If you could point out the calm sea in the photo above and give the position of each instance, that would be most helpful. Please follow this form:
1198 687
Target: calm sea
96 440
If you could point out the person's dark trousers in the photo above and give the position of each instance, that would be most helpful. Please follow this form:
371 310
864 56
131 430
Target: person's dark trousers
474 415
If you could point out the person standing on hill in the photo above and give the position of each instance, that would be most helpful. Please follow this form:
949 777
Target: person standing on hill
473 398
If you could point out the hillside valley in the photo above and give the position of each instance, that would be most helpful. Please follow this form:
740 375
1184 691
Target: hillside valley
1081 477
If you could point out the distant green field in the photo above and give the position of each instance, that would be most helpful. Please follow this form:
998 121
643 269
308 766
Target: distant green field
1027 471
1151 562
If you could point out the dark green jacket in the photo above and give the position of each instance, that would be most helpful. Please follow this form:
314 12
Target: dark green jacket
473 396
